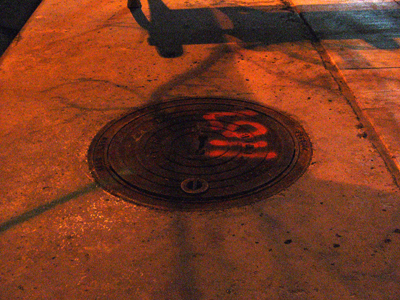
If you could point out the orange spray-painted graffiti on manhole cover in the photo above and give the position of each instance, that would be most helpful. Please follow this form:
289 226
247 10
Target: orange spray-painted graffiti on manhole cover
199 153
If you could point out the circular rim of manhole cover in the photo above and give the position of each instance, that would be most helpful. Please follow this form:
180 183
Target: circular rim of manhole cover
199 153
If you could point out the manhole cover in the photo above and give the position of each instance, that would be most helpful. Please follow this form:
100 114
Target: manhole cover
199 154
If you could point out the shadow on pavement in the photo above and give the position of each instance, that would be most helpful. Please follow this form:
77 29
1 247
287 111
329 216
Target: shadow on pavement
170 29
13 16
46 207
377 27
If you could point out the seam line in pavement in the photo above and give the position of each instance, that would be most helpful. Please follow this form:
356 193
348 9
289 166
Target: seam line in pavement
346 91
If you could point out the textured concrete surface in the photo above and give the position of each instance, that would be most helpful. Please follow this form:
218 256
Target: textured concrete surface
334 234
362 40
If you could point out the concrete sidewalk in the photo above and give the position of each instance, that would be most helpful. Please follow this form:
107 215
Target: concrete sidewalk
333 234
362 42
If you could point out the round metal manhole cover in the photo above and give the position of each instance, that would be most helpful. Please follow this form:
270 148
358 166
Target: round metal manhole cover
199 153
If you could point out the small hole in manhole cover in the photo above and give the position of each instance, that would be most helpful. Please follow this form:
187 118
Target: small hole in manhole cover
199 153
194 185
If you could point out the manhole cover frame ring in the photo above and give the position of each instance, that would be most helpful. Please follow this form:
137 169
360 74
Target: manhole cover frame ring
303 156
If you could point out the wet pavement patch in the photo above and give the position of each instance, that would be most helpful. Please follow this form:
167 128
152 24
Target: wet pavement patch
199 153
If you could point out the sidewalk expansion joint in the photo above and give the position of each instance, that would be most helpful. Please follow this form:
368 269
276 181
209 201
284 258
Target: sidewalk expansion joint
346 91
